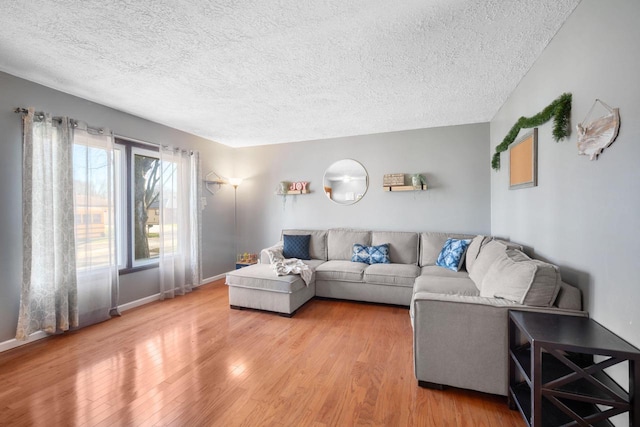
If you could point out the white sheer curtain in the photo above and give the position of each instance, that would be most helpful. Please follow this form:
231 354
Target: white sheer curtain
70 276
95 237
48 300
179 222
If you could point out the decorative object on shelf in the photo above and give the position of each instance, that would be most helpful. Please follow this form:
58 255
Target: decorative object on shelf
392 179
395 182
286 188
598 134
560 110
246 258
345 182
417 181
523 162
283 187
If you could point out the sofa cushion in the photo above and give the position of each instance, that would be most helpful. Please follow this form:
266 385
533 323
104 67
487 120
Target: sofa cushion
452 254
474 250
262 276
446 285
516 277
340 242
488 254
403 246
392 274
344 271
317 244
434 270
296 246
431 244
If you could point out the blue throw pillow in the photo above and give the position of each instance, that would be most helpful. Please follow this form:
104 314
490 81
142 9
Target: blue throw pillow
296 246
452 253
360 253
379 254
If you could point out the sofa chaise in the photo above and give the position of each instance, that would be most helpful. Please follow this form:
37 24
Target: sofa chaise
459 318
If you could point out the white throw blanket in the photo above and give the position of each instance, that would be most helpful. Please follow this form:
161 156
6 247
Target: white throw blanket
282 267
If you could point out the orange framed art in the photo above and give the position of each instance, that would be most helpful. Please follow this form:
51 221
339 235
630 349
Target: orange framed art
523 162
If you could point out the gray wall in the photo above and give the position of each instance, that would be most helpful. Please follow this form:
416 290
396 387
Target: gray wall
217 227
451 159
584 214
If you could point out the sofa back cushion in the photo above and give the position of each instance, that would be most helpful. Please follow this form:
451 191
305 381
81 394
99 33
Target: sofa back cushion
403 246
516 277
340 242
317 243
488 254
474 250
431 244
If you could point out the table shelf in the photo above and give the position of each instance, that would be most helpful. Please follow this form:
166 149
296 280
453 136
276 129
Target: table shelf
555 367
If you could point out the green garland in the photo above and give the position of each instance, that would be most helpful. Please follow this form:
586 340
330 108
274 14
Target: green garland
560 110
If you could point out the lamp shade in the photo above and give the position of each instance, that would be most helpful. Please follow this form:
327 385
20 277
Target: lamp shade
235 181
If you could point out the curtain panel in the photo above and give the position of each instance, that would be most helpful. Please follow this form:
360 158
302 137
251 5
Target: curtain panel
70 276
180 219
49 299
95 224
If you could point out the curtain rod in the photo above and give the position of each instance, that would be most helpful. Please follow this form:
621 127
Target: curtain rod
73 122
23 110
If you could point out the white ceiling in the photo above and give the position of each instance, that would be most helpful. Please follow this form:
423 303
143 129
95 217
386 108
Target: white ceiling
250 72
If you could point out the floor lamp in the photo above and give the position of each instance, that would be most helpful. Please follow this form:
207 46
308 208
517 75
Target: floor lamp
235 182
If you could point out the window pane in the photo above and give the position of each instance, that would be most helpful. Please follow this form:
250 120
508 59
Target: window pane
146 217
91 187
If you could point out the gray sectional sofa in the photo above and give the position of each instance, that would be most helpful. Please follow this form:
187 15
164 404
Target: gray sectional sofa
459 318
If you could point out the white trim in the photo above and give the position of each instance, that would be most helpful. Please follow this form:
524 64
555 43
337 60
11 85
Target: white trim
212 279
13 343
139 302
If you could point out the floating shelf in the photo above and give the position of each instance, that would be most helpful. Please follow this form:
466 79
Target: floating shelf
293 192
423 187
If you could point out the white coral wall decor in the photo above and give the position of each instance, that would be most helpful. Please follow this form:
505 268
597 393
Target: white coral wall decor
597 134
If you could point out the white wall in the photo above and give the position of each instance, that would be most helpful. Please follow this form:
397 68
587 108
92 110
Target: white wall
217 235
584 214
451 159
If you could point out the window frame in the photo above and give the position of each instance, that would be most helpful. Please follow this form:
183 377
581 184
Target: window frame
125 241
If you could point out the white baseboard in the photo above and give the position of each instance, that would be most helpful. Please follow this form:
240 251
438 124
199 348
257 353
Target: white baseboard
139 302
13 343
213 278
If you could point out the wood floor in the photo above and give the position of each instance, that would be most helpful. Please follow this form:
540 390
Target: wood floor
192 361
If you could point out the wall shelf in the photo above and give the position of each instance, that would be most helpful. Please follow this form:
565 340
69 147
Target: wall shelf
423 187
293 192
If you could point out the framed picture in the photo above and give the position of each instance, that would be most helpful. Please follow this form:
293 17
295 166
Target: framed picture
523 162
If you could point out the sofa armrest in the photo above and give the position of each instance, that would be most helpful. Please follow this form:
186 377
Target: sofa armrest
264 253
461 341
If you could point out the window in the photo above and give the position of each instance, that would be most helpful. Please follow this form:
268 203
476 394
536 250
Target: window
91 186
138 218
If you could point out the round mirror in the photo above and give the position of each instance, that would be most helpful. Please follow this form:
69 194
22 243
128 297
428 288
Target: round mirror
345 182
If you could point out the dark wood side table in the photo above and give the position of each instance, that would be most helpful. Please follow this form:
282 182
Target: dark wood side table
553 378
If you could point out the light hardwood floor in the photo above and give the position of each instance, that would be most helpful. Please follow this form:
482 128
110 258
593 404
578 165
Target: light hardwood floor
192 361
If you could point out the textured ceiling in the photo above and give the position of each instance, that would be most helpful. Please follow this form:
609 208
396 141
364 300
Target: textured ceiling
261 72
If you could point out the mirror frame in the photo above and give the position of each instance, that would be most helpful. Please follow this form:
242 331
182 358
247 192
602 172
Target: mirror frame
356 199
